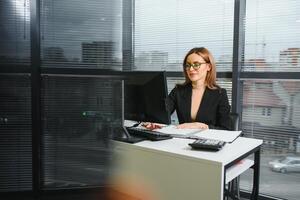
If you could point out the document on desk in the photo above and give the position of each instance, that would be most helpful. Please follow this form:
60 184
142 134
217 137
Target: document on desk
173 130
222 135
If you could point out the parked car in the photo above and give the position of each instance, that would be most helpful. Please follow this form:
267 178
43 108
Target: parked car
286 164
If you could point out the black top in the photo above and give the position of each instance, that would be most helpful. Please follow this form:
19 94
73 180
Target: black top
214 108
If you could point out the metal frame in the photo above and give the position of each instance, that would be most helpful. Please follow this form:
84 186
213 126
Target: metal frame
256 168
127 35
180 74
238 51
35 96
247 195
270 75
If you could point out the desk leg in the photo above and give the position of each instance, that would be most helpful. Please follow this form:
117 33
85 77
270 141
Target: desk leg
255 189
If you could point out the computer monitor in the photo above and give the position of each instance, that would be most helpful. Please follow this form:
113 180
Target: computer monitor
145 96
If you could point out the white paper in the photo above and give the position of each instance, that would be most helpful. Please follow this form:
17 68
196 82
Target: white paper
222 135
173 130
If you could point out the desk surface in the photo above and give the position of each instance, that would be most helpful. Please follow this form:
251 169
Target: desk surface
180 147
173 171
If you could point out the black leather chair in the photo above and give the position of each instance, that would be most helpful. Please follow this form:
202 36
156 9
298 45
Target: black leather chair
233 190
234 121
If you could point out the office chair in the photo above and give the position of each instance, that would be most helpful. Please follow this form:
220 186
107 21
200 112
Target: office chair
233 190
234 121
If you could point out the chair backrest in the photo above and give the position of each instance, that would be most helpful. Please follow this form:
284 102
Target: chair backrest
234 121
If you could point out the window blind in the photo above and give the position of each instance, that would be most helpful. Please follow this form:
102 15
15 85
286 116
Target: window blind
80 115
272 41
271 106
165 30
15 133
82 34
15 32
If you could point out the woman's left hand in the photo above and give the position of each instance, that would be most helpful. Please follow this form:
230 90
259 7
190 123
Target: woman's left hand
193 125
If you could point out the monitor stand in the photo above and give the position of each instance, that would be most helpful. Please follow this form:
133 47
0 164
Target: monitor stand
126 136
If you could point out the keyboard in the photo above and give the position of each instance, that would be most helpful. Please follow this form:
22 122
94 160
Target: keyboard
207 144
148 134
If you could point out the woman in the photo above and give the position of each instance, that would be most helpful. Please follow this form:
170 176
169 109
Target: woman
199 101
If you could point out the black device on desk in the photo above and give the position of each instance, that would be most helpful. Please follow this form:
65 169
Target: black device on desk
207 144
145 94
148 134
143 100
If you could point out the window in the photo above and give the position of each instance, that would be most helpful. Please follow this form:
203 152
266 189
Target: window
15 133
165 30
267 111
15 32
65 116
81 34
80 115
270 105
79 112
272 36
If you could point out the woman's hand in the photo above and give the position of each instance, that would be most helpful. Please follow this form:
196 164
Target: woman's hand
151 126
193 125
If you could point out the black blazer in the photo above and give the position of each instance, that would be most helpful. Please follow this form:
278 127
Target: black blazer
214 108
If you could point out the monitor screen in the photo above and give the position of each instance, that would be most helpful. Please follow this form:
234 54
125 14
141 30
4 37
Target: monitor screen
144 97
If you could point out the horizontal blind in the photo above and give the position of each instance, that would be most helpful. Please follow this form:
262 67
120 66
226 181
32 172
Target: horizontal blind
77 33
165 30
270 107
80 115
15 133
15 32
272 39
271 112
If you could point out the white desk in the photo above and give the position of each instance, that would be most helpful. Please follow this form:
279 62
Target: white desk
170 170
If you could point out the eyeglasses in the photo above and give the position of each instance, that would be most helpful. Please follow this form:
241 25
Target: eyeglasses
195 66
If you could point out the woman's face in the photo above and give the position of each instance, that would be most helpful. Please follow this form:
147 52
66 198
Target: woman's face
196 67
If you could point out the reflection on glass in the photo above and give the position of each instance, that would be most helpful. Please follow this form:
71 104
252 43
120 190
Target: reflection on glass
81 34
271 111
80 115
15 32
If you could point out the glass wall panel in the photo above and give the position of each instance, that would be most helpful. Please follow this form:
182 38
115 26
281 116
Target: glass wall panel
165 30
15 133
77 33
272 40
271 112
271 107
80 114
15 32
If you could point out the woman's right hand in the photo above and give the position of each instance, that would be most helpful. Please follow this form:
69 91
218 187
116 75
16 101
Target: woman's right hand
151 126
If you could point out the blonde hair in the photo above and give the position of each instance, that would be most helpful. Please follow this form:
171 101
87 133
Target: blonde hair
211 76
